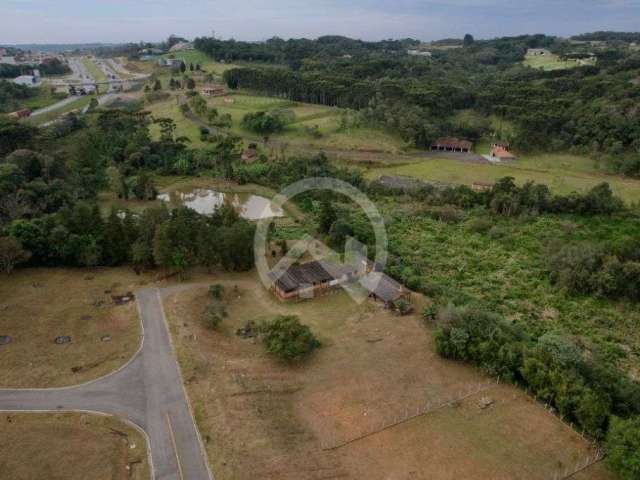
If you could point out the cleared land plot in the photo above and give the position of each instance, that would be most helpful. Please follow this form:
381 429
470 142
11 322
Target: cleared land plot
39 305
307 116
553 62
70 446
76 105
263 419
562 173
184 126
43 98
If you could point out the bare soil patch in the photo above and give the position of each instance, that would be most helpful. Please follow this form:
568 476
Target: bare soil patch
70 446
263 419
40 306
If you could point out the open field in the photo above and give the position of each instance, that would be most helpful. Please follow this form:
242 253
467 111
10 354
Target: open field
77 104
553 62
43 98
39 305
70 446
562 173
264 419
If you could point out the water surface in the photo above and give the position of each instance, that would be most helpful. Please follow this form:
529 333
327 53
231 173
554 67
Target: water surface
206 201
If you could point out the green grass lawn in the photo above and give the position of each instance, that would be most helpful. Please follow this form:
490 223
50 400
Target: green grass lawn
562 173
43 98
184 127
94 70
307 116
207 63
77 104
552 62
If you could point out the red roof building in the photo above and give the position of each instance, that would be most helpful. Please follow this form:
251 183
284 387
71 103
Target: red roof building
502 154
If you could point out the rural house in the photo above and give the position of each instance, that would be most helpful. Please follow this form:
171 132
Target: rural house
482 186
309 279
452 144
383 287
501 153
212 90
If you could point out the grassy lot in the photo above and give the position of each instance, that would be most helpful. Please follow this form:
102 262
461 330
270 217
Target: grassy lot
184 126
77 104
562 173
39 305
264 419
553 62
43 98
506 268
70 446
93 69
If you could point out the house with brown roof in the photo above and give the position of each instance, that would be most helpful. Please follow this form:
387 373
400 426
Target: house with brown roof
384 288
308 280
501 153
452 144
213 90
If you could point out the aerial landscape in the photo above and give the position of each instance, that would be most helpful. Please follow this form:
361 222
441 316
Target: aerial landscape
382 240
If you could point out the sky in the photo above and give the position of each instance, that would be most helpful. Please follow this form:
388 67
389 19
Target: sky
119 21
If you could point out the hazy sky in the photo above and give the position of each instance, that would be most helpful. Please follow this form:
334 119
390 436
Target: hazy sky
74 21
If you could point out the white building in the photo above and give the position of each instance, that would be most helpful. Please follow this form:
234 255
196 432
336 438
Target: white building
27 81
419 53
170 62
8 60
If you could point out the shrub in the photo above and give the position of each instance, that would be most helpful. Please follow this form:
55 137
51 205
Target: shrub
623 447
216 291
404 307
288 339
214 314
480 224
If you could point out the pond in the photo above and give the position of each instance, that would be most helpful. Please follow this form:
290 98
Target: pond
206 201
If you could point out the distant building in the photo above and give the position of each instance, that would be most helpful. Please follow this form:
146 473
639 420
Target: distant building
452 144
419 53
27 81
181 47
213 90
501 153
500 143
481 186
170 62
8 60
538 51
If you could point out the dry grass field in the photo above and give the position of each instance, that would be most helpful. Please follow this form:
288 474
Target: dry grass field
38 305
70 446
264 419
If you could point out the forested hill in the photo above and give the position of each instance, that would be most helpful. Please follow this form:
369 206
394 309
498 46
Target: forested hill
589 108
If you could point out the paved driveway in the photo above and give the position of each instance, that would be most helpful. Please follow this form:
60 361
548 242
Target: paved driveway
147 391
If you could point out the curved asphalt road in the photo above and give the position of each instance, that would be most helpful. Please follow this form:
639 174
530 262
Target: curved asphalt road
147 391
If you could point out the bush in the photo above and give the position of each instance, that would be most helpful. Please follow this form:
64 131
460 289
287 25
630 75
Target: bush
214 314
480 224
288 339
216 291
623 447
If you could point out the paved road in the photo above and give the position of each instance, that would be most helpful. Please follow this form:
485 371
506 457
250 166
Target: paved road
147 391
54 106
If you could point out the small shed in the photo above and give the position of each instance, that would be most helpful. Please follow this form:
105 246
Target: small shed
482 186
383 287
501 153
23 113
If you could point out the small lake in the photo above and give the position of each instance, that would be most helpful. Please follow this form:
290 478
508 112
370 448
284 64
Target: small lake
206 201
